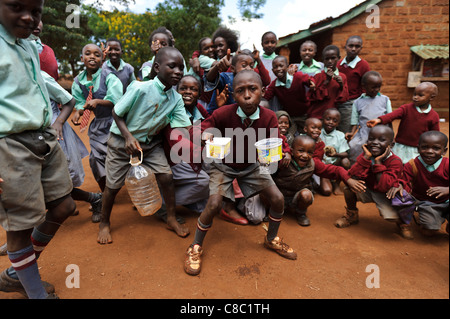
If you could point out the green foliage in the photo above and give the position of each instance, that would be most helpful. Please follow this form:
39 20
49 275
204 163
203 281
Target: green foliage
249 8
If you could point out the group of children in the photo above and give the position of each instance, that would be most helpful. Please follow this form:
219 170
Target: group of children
331 118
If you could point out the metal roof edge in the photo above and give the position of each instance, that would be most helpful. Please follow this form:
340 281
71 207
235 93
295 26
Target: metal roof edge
327 24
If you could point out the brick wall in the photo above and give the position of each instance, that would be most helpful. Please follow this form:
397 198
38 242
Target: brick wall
403 23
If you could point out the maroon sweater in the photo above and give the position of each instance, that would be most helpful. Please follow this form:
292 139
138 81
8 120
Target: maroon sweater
48 62
419 183
391 169
325 97
292 100
354 77
226 121
412 123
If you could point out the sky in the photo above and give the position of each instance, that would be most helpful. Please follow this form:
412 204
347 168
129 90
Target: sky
283 17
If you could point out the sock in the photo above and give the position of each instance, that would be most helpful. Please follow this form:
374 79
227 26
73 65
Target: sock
200 233
39 241
274 224
25 265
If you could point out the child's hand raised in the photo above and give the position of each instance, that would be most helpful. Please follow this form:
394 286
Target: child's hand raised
255 54
312 85
156 46
292 69
105 51
367 154
222 97
372 123
225 62
356 186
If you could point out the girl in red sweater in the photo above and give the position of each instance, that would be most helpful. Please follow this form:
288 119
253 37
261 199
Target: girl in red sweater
416 118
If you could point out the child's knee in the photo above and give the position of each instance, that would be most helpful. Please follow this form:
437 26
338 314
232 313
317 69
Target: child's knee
60 209
306 197
346 163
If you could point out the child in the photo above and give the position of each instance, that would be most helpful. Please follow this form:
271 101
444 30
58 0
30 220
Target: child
47 57
426 178
225 39
336 148
290 91
269 43
354 68
369 105
190 180
295 180
313 128
217 82
381 170
124 71
308 65
246 115
71 144
35 193
106 91
416 118
285 126
160 38
330 85
140 115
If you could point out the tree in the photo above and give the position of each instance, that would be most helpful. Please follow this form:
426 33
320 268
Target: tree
66 42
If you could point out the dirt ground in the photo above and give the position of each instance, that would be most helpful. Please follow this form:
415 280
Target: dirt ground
145 261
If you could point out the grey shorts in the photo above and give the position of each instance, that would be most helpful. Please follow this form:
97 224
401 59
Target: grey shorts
118 161
383 204
432 215
35 172
250 180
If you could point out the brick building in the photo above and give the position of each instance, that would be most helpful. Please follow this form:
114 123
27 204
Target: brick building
400 37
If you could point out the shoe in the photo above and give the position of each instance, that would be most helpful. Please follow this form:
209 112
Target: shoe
351 217
3 250
280 248
8 284
303 220
193 262
238 221
405 231
97 208
52 296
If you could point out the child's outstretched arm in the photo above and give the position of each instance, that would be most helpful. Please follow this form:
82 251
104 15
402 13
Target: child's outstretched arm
372 123
223 65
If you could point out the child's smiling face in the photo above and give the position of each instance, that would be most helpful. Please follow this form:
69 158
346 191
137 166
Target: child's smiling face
189 90
92 57
432 148
115 51
283 124
208 48
331 120
307 52
313 128
21 17
280 68
303 150
380 138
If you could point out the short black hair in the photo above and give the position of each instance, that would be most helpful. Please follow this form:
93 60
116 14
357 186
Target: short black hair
245 72
442 136
114 39
368 74
354 37
331 47
282 57
333 109
304 137
309 42
162 30
236 58
388 130
194 78
163 52
266 34
201 42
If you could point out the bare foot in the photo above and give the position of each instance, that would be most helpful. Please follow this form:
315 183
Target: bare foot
180 230
337 189
104 234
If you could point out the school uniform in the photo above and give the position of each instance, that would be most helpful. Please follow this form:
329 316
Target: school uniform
335 139
147 109
432 211
107 86
125 72
315 68
29 150
391 169
354 72
292 96
413 123
190 179
71 144
364 109
241 163
328 96
146 69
